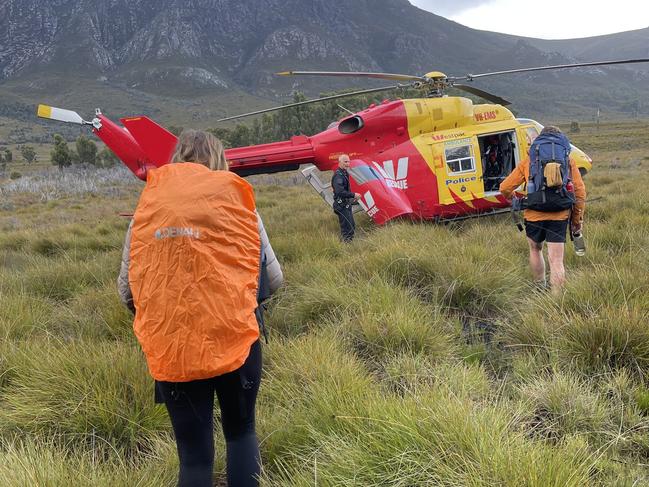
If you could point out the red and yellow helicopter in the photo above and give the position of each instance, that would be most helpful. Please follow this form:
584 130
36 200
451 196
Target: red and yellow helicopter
436 157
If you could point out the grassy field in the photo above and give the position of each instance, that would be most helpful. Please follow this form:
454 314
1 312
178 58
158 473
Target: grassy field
418 355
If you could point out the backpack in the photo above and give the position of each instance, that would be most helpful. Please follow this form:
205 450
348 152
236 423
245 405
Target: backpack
549 181
194 272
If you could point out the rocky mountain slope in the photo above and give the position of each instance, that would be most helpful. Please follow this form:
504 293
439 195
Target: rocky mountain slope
193 60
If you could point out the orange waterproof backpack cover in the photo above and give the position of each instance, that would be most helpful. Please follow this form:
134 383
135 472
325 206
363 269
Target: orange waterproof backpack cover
194 267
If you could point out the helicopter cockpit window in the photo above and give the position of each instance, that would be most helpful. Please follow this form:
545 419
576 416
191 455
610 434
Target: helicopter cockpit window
531 133
459 159
364 174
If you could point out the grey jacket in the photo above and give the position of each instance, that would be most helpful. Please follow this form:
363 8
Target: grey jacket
275 276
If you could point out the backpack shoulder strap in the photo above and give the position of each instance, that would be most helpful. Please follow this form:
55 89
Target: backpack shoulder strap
263 293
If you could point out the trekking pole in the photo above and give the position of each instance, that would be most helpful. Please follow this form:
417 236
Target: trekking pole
516 215
516 218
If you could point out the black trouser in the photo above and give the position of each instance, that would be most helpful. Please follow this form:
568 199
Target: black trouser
347 225
191 409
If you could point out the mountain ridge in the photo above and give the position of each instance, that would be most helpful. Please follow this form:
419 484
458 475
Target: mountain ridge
201 59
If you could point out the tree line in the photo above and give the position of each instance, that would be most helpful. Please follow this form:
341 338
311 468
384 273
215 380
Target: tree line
84 152
7 156
301 120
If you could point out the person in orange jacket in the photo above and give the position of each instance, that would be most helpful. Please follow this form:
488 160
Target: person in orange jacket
195 260
548 226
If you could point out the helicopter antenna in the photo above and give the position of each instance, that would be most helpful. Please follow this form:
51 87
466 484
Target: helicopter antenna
345 109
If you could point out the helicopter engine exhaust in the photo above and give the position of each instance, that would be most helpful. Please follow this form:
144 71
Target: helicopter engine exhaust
351 125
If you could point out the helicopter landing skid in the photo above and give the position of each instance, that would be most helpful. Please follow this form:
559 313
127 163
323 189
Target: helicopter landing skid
497 211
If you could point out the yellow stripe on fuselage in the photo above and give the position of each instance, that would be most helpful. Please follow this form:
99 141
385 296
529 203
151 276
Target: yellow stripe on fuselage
429 115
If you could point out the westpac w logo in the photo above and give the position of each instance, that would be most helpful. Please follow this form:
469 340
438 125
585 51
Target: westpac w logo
394 180
368 204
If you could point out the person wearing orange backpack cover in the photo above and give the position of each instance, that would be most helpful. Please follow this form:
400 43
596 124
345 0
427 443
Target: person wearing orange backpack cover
195 261
550 226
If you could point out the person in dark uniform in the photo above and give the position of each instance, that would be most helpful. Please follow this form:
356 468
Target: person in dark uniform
344 199
492 164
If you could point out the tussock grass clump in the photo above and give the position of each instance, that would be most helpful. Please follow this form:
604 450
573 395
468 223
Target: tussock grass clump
46 463
313 292
330 420
309 380
615 337
481 282
561 405
12 260
63 279
13 240
604 286
375 315
22 315
381 319
412 374
81 391
318 244
78 241
95 314
598 324
435 439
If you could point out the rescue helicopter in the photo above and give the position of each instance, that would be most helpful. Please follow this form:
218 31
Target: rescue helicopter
437 157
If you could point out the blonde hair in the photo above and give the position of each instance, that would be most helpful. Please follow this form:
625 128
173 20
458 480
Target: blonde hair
202 148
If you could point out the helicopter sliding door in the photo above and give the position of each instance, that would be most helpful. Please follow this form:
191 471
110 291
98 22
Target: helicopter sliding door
498 157
458 170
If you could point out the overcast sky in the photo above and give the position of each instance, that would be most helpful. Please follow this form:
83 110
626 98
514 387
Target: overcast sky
546 19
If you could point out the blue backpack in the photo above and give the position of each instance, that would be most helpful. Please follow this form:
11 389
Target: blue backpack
543 194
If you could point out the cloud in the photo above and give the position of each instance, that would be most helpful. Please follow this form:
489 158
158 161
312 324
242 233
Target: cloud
448 7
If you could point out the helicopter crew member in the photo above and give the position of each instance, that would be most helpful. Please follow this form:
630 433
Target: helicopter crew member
344 199
492 163
550 226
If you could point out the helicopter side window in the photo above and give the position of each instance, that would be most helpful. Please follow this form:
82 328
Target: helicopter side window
363 174
459 159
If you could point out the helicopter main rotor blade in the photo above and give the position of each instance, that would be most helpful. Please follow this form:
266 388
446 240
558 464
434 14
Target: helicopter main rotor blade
315 100
471 77
483 94
355 74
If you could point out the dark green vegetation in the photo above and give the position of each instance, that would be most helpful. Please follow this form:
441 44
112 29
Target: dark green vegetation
418 355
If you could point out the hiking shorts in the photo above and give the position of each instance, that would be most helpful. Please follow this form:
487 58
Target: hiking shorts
548 230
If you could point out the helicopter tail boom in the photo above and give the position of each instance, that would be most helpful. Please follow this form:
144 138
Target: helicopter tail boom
273 157
123 144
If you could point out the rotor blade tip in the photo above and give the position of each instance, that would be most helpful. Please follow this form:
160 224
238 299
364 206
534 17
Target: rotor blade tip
44 111
284 73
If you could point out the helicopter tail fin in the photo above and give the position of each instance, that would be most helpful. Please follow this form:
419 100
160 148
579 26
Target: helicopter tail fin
157 142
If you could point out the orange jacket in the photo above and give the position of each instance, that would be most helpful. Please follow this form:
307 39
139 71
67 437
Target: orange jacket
194 267
521 174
